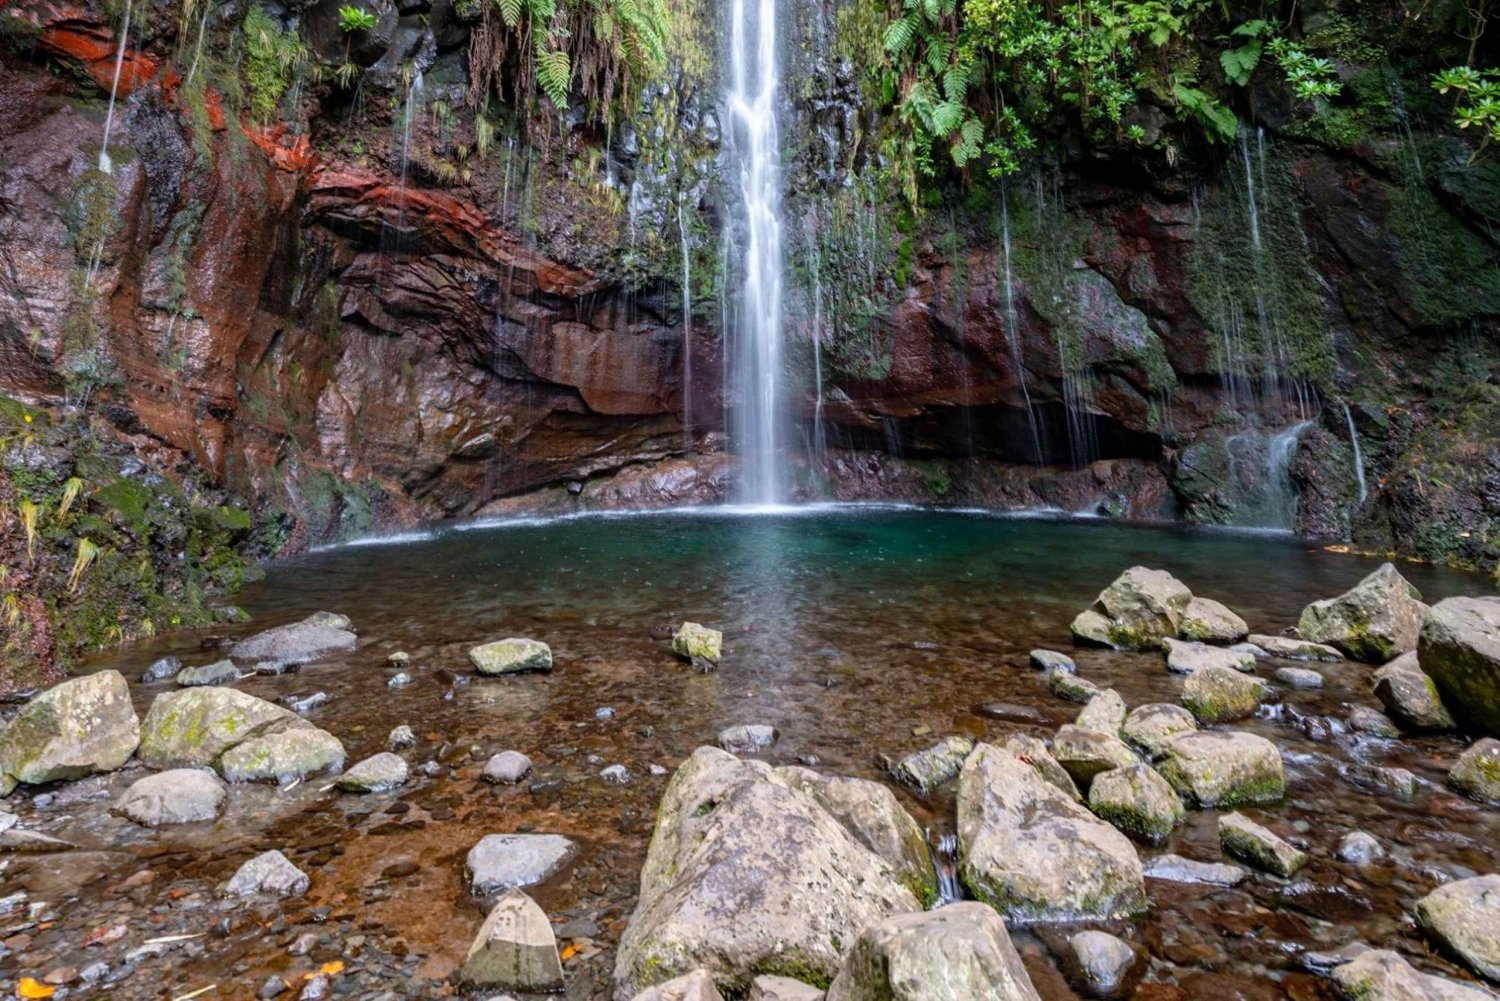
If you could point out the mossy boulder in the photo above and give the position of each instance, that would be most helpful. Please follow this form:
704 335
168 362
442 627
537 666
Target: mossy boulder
1375 621
1459 649
283 756
1477 772
1259 846
511 656
1067 685
1137 611
1086 753
1035 753
1216 694
1410 696
695 643
1208 621
76 728
1138 801
1463 918
1219 769
1151 728
1383 975
193 728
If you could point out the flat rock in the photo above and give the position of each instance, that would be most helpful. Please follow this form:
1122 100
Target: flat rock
1460 649
507 861
1046 660
782 989
1376 620
1477 772
1153 726
1219 769
1215 694
1138 801
507 768
695 986
515 949
1463 918
1249 842
221 672
750 738
1176 869
1299 677
270 872
1208 621
80 727
1410 696
1184 657
177 796
283 756
378 773
1382 975
1104 713
698 643
1086 753
1138 610
961 952
927 769
1290 648
511 656
275 650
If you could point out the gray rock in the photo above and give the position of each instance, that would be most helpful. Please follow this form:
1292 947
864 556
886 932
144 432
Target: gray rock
378 773
746 876
1376 620
1046 660
1139 610
270 872
179 796
1033 752
401 737
398 680
961 952
1218 769
1373 722
1410 696
1463 918
1100 961
161 670
1381 777
1067 685
275 650
1138 801
782 989
1029 850
1477 772
1216 694
926 770
194 727
330 620
515 949
750 738
1256 651
694 643
1255 845
1152 727
304 704
1382 975
1460 650
283 756
1184 657
1360 848
696 986
507 768
1299 677
1086 753
1176 869
222 672
1289 648
511 656
1207 621
80 727
508 861
615 775
1104 713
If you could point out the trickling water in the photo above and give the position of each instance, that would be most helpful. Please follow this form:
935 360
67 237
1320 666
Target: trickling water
1283 492
413 100
944 845
1359 459
752 103
1013 329
687 328
819 440
105 163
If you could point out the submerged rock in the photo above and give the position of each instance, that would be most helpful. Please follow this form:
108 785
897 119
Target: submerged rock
1460 650
221 672
178 796
1360 848
1152 727
927 769
508 861
1208 621
1299 677
1033 853
1463 917
1376 620
378 773
275 650
1259 846
1410 696
747 876
1138 801
77 728
515 949
1136 612
507 767
1217 769
1477 772
1100 962
961 952
511 656
1382 975
695 643
1373 722
1176 869
749 738
1288 648
1218 694
269 872
1184 657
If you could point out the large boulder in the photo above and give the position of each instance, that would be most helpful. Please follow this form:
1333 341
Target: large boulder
1033 853
746 876
1138 801
515 949
512 656
178 796
283 757
1217 694
1034 752
1383 975
275 650
245 738
961 952
1477 772
1375 621
1207 621
1136 612
77 728
1460 649
1218 769
1463 917
1410 696
1153 726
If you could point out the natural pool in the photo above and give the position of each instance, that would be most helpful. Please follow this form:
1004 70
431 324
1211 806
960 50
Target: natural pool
856 633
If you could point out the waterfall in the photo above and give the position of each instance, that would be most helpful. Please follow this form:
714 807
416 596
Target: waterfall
819 440
752 104
687 329
1359 459
413 99
1280 451
105 163
1013 329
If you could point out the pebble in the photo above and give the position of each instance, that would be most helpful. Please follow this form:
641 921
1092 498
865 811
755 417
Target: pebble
318 988
604 712
398 680
507 767
399 659
615 775
657 770
401 737
273 987
1360 848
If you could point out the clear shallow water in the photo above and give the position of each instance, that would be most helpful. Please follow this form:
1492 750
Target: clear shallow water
854 633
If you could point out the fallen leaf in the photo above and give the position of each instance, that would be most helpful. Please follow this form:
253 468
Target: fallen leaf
332 969
29 988
569 951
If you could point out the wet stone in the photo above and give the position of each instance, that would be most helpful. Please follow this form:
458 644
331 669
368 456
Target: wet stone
1153 727
1299 677
1360 848
177 796
1012 712
1067 685
379 773
506 861
926 770
219 673
1048 660
270 872
1100 961
1176 869
401 738
1477 772
747 738
1185 657
507 768
1249 842
1373 722
1287 648
164 669
511 656
615 775
1463 917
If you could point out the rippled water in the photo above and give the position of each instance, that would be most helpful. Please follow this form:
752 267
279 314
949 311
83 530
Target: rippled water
854 633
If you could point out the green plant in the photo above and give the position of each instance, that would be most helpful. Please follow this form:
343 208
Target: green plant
30 514
71 489
352 19
1239 62
272 58
87 553
1476 101
1313 78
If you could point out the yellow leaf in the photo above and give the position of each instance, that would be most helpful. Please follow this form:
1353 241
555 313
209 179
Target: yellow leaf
332 969
569 951
29 988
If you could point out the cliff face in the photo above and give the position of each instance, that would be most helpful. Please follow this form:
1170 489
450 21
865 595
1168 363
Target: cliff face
377 306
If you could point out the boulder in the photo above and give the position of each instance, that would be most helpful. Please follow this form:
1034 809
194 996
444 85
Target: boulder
1363 719
1153 726
283 756
1360 848
871 812
507 768
1184 657
1289 648
1029 850
220 672
1463 918
1035 753
1176 869
693 642
1383 975
747 876
269 872
750 738
1410 696
1255 845
927 769
508 861
1460 650
1046 660
1299 677
80 727
1376 620
782 989
696 986
194 727
511 656
515 949
1104 713
1067 685
1477 772
275 650
1207 621
1218 769
961 952
378 773
1139 610
1086 753
330 620
1100 962
1138 801
1218 694
178 796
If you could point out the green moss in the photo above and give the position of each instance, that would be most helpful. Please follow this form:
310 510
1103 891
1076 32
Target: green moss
1449 274
272 57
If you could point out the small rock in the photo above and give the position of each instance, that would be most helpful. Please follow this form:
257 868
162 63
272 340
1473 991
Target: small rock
515 949
1012 712
693 642
317 988
270 872
1396 780
747 739
604 712
221 672
782 989
928 769
1184 657
276 650
507 768
1048 660
1410 696
1252 649
506 861
1382 975
378 773
1152 727
1286 648
330 620
1477 772
1100 961
695 986
1067 685
1250 842
1360 848
615 775
400 659
399 680
512 656
304 704
1086 753
1299 677
161 670
1138 801
401 737
1463 917
1176 869
1373 722
178 796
